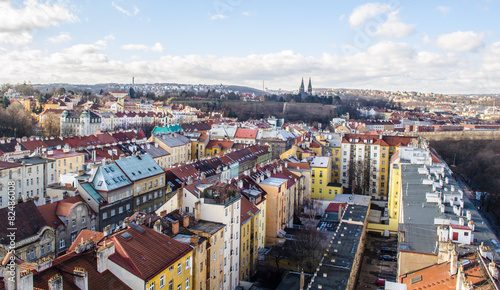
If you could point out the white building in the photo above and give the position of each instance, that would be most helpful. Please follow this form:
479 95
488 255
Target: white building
37 174
217 204
79 123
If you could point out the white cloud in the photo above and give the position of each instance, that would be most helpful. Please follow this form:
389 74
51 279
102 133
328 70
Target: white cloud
445 10
136 10
341 17
109 37
119 8
157 47
245 13
468 41
361 14
33 15
393 27
62 37
385 65
218 16
22 38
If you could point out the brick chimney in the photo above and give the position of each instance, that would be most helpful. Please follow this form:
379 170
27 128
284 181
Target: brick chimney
56 282
81 278
185 221
195 240
25 280
175 227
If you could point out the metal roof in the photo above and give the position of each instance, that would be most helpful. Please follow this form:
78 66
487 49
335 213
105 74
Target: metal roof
139 167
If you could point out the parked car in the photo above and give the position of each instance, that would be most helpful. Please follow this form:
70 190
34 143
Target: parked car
380 282
387 258
387 250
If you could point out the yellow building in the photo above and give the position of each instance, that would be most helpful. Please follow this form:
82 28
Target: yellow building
177 145
249 238
277 209
147 259
66 161
214 254
395 189
321 167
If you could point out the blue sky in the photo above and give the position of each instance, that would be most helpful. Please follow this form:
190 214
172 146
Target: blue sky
428 46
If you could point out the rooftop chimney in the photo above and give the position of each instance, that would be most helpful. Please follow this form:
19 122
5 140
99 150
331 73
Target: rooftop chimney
102 256
185 221
56 282
81 278
453 262
158 227
197 211
195 240
175 227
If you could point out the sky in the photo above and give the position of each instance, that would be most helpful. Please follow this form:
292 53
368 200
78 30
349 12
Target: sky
406 45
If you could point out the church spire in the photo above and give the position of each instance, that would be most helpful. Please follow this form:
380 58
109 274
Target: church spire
301 89
309 88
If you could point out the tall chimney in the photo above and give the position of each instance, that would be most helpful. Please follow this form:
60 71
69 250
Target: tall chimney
185 221
102 256
453 261
81 278
197 211
302 278
175 227
56 282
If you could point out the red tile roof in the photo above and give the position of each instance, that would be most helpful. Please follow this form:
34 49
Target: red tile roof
148 253
85 236
335 206
29 222
246 133
223 144
246 208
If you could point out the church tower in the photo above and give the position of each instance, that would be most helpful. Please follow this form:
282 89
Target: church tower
301 89
309 88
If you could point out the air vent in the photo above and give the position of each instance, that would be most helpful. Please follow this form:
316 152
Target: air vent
416 279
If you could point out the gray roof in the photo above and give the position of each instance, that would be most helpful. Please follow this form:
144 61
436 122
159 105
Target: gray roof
92 193
34 160
139 167
207 227
273 181
154 151
320 161
173 139
109 177
223 132
419 227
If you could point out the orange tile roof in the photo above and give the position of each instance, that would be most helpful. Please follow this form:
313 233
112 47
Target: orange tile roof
85 236
246 208
246 133
301 165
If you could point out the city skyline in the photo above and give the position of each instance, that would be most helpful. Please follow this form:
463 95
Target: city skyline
442 47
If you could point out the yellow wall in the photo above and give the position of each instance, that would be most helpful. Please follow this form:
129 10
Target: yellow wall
383 170
320 177
68 164
246 227
395 190
170 274
336 155
276 216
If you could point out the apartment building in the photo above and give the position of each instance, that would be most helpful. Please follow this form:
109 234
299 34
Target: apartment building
177 145
219 203
66 161
148 179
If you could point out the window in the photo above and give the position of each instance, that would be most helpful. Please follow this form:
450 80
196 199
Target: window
73 237
171 285
179 268
329 191
312 181
113 212
42 249
187 209
171 268
162 281
127 206
152 286
320 181
179 287
73 223
188 262
187 283
104 215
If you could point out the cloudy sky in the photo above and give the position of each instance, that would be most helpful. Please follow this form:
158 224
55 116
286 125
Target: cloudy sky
429 46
